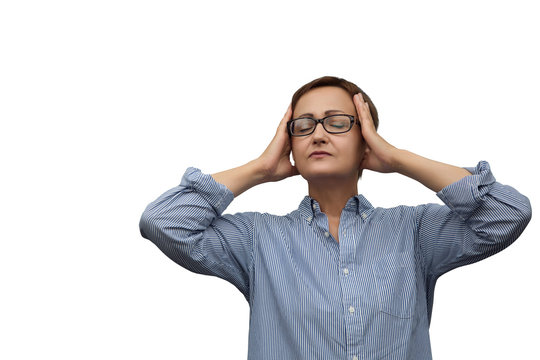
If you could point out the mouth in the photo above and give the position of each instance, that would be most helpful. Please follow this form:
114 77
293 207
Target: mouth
319 154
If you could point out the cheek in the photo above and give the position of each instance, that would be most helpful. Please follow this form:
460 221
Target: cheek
294 152
297 147
298 155
355 146
360 146
355 153
293 149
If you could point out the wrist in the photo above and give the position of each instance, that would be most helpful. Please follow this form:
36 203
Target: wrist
397 160
256 170
408 163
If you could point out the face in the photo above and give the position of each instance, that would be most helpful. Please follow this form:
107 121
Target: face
339 155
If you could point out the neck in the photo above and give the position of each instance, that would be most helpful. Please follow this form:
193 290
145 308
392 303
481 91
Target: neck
333 194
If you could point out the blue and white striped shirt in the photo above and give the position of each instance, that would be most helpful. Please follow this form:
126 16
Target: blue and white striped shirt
369 296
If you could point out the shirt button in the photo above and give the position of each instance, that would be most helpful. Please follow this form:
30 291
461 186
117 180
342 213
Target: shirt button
364 215
314 206
309 218
346 271
327 234
351 309
355 357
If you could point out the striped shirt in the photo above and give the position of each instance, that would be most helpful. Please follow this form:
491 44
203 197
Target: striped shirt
368 296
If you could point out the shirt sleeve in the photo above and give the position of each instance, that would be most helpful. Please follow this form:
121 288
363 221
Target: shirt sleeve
480 218
186 224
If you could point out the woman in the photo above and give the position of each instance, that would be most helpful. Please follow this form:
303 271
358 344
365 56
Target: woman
336 278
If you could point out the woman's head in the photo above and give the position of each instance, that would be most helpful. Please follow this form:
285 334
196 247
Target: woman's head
348 86
323 155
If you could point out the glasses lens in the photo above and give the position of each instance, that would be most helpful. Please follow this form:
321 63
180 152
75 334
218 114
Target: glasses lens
302 126
337 124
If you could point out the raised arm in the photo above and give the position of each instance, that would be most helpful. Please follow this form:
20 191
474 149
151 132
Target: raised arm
273 165
187 224
481 216
383 157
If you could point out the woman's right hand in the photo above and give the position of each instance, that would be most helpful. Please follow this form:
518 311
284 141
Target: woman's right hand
272 165
275 162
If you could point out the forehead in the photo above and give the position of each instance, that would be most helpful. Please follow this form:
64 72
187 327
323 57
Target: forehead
318 100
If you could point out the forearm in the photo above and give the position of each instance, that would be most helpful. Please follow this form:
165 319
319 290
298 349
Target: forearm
433 174
384 157
241 178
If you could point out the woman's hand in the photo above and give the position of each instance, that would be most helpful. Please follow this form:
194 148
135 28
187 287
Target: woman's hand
272 165
275 162
382 157
379 154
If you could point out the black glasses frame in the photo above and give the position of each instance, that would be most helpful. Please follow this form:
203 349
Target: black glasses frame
321 121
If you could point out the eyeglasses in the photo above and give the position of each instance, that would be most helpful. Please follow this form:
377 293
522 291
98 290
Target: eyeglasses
333 124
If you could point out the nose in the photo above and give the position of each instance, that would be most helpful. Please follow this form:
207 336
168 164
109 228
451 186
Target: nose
319 134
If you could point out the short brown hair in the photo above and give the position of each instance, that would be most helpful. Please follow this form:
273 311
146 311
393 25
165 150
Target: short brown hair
339 82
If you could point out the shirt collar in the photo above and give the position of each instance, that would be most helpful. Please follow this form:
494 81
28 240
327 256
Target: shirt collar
358 204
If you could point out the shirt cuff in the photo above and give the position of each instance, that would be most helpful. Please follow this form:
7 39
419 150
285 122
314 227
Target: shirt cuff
465 195
216 194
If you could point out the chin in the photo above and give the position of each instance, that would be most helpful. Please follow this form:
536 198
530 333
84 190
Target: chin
323 173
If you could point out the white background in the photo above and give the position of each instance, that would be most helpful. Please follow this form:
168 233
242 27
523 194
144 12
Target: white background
98 102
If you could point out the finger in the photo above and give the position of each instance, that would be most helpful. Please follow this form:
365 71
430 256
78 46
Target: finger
288 112
363 112
360 105
357 101
286 117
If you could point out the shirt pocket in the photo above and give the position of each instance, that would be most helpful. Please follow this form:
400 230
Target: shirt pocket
395 282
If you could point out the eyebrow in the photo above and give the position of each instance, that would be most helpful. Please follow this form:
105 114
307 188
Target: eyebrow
325 113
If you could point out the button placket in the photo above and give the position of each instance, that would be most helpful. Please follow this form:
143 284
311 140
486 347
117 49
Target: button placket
353 317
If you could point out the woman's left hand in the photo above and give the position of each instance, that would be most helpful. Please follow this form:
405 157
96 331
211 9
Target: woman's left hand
382 157
379 154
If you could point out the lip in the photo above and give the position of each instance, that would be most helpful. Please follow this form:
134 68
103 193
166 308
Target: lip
319 154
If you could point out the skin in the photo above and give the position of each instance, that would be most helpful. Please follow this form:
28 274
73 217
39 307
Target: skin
333 179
